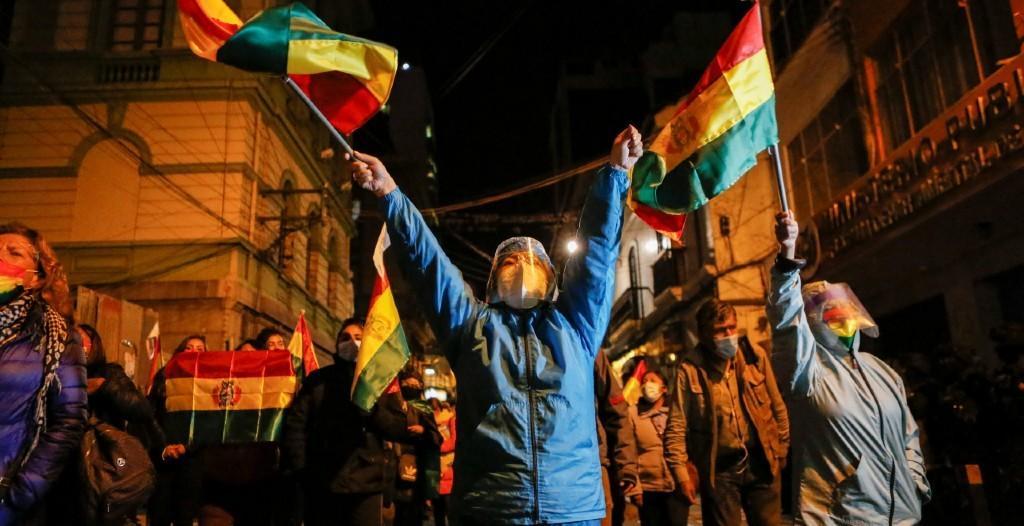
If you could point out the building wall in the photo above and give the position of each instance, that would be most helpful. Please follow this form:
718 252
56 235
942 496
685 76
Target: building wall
150 171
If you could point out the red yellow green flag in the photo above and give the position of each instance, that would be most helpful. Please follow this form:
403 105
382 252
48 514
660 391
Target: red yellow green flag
384 350
227 396
301 347
715 135
631 391
346 77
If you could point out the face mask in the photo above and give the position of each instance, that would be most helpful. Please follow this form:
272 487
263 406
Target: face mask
652 391
725 348
843 327
12 281
522 286
348 350
411 391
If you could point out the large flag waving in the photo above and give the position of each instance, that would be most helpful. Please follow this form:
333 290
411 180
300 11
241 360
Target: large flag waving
223 397
715 135
301 348
384 350
347 78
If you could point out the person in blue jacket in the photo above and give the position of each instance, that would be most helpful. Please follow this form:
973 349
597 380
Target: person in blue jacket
42 375
856 454
527 451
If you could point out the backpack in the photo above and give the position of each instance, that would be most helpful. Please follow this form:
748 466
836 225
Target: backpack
117 474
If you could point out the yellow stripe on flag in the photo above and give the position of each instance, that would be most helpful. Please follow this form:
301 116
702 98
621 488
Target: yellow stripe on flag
238 394
725 103
381 322
372 63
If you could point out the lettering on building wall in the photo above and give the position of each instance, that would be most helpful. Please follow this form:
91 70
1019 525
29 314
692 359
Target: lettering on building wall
984 128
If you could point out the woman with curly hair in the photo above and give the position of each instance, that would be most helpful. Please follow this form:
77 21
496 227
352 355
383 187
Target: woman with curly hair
42 374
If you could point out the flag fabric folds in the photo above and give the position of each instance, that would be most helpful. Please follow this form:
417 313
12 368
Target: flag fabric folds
155 356
714 136
301 348
227 397
384 350
631 391
346 77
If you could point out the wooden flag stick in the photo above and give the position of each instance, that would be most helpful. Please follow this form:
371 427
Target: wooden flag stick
773 151
320 115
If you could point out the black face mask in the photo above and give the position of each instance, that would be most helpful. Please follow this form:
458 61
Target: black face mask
411 393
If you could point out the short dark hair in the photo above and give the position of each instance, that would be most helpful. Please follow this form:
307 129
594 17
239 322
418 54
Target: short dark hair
99 356
714 311
254 343
355 320
264 336
184 342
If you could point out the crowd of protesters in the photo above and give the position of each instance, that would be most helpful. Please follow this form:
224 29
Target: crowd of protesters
541 432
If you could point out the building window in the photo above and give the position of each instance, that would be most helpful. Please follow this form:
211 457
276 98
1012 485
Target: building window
829 154
136 25
791 22
928 60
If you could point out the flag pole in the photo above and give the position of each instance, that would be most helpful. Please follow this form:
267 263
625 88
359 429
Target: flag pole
320 115
773 151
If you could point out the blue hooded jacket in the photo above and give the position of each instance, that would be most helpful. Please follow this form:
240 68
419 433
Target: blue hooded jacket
527 451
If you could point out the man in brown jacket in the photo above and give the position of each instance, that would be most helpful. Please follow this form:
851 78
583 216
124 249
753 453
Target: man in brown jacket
728 419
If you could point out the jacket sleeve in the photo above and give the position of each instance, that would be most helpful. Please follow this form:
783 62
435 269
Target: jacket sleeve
793 344
614 415
65 422
296 424
675 431
779 411
448 302
588 282
912 445
388 420
613 412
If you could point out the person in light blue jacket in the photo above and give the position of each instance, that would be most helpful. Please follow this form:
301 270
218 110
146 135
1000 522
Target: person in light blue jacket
527 451
856 455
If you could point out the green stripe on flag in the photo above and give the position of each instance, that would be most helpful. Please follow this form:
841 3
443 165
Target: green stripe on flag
711 170
381 370
222 427
261 45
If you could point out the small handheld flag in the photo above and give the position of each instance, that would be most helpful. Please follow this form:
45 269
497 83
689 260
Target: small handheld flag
301 348
384 350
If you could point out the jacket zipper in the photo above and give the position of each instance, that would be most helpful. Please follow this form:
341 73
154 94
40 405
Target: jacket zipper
533 424
881 437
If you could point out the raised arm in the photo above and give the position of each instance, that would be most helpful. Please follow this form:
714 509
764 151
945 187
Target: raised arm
439 285
792 340
588 283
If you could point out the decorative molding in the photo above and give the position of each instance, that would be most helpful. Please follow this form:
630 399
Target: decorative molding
37 172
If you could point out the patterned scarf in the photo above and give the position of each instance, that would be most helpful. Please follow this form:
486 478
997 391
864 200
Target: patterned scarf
13 317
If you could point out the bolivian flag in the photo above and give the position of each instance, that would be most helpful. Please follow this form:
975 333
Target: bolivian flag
227 396
301 347
715 135
348 78
384 350
632 390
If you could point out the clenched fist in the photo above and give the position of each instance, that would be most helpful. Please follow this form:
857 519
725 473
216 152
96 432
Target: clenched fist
370 174
626 149
786 231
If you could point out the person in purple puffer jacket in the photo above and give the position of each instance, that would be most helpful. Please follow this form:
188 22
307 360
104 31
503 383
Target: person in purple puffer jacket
42 375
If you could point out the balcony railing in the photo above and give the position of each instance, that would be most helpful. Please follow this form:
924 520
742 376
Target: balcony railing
119 71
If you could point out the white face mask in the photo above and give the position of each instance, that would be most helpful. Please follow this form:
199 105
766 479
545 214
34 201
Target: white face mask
652 391
522 286
348 350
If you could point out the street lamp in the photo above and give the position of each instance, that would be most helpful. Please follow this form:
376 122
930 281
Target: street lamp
572 246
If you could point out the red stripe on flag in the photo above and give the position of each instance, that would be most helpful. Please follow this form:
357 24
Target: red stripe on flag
229 364
342 98
745 41
671 225
214 28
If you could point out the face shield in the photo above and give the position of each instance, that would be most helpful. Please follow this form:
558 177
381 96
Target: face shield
836 306
521 274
